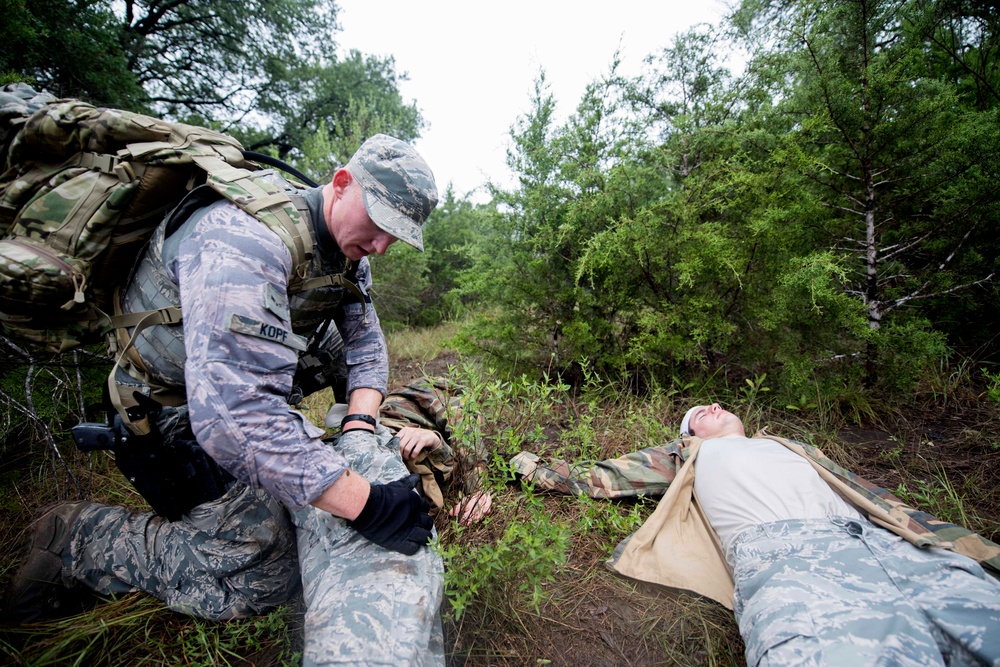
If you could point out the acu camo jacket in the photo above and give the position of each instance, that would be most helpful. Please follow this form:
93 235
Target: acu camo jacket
241 341
654 470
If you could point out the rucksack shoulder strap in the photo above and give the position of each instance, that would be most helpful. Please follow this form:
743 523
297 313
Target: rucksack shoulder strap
169 315
270 204
342 280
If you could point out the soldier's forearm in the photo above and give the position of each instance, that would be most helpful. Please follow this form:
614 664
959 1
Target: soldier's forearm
346 497
363 401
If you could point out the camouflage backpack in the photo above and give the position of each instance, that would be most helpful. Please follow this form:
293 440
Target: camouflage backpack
82 190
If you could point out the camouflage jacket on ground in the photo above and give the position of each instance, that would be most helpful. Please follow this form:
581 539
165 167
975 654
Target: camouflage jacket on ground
436 404
650 472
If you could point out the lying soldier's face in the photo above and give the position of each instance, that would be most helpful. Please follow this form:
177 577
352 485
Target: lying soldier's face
712 421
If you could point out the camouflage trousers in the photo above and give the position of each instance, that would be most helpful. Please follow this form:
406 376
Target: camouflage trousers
366 605
228 558
838 591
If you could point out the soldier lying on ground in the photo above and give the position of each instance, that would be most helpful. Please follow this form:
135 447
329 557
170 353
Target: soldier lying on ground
820 566
425 415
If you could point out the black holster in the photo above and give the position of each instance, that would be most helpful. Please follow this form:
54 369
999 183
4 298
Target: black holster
174 477
173 474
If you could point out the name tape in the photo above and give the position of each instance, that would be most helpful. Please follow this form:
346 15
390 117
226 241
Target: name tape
251 327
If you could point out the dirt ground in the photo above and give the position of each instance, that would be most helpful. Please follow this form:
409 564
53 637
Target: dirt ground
595 617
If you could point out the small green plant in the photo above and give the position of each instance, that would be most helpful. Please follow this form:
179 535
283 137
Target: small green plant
754 389
210 643
854 404
514 408
893 454
803 405
945 380
612 522
679 387
992 386
750 396
937 496
511 573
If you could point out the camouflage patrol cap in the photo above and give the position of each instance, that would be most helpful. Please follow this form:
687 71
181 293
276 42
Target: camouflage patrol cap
397 185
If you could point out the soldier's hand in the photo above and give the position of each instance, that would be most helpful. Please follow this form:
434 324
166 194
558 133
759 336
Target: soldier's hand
412 441
472 508
395 516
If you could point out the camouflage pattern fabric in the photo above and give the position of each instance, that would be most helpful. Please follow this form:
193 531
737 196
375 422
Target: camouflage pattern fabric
81 191
76 175
436 404
650 471
367 605
646 472
397 186
229 558
839 591
18 101
232 270
154 285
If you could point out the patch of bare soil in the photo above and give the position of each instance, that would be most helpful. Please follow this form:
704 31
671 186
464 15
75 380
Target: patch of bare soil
404 371
930 446
593 617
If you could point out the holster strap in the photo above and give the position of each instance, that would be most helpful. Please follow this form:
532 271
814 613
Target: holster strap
169 315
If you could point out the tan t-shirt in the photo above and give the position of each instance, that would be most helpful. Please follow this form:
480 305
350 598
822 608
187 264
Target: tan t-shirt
742 482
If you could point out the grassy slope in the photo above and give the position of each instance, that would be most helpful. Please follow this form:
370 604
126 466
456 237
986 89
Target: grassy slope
528 585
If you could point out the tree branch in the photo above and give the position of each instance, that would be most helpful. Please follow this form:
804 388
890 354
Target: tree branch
915 297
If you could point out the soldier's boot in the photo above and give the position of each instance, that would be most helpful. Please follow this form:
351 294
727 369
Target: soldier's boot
37 590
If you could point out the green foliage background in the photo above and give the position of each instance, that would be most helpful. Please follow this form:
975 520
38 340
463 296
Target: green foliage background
812 239
827 215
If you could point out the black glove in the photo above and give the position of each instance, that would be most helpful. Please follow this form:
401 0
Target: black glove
395 516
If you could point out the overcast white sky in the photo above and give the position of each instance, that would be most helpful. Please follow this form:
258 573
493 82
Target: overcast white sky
472 65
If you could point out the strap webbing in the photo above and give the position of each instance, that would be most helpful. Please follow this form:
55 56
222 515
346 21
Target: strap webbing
168 315
271 206
337 279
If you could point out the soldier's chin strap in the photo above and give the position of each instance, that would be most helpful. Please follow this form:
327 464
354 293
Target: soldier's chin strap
169 315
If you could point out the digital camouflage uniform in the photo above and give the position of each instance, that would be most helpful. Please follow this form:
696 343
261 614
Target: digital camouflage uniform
828 591
367 605
234 361
406 596
842 591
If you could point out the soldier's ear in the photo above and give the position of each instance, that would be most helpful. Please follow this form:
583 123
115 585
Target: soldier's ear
342 179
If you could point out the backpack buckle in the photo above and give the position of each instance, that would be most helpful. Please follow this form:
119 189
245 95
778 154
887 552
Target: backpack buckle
100 161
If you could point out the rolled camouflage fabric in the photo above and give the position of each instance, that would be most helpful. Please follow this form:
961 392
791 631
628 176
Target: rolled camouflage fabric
436 404
18 101
646 472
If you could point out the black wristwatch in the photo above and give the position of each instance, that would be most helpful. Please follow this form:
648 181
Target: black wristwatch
359 417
